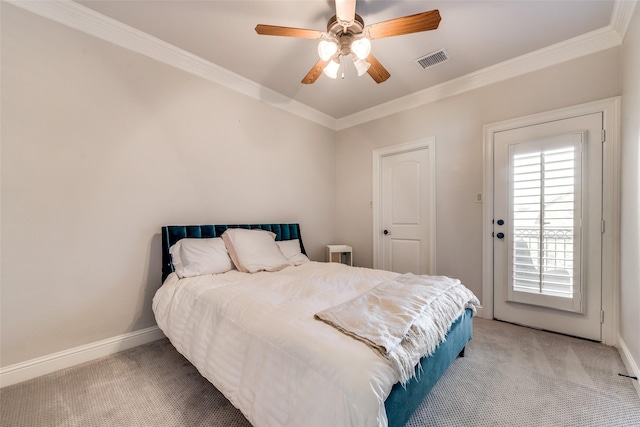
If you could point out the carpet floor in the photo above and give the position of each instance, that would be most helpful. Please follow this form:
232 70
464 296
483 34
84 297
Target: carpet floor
510 376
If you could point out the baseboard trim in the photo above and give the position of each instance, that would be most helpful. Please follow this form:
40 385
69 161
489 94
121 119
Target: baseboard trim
480 313
33 368
629 363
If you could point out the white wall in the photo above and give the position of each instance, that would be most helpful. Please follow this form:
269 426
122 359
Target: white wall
457 124
630 192
100 148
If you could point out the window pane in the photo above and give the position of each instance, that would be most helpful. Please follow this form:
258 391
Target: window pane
543 208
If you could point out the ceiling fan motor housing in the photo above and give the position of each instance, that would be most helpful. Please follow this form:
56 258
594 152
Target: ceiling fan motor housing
344 36
334 27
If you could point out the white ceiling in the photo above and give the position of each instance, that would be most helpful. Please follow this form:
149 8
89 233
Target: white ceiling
476 33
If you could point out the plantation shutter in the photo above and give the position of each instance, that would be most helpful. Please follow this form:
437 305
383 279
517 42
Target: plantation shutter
545 214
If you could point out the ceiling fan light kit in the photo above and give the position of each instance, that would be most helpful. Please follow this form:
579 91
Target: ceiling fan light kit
327 48
331 70
361 65
361 47
347 35
340 46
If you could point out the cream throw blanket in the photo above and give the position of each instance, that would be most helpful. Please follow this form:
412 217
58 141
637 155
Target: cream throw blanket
403 319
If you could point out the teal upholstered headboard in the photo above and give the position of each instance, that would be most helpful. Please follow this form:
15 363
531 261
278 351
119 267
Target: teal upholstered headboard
172 233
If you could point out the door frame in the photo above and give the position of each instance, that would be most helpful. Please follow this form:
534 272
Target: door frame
378 155
610 108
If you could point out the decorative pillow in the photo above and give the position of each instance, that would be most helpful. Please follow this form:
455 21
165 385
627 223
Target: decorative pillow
292 252
195 257
254 250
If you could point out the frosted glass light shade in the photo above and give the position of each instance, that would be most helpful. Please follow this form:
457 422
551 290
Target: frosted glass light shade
361 65
326 49
361 47
331 70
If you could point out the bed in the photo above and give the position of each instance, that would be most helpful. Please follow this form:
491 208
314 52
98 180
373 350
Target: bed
271 358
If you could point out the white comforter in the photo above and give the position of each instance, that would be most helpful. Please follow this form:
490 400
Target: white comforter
255 338
403 319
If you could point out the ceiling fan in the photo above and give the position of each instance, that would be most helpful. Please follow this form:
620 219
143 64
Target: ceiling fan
347 35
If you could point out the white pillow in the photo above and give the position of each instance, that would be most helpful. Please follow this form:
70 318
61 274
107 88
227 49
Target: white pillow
195 257
254 250
292 252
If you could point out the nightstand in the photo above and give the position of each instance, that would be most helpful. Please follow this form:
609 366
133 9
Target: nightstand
339 253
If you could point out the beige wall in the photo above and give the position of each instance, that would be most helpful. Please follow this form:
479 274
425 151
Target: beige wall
630 209
457 124
100 148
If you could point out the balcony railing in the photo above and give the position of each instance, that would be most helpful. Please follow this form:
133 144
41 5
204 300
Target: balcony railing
543 260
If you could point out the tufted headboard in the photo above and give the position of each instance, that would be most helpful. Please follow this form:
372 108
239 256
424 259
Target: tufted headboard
172 233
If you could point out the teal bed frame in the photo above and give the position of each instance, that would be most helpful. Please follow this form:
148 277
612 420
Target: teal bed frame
403 400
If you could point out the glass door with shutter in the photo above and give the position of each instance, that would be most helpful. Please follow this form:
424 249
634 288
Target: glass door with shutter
547 206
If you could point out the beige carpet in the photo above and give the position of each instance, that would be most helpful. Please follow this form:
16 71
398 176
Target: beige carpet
511 376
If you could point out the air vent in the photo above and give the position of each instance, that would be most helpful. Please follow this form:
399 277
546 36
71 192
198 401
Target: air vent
433 58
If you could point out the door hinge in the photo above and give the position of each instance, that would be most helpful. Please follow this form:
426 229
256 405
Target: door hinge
602 226
601 316
604 135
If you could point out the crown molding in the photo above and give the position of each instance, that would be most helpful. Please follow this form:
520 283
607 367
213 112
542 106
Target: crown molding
88 21
576 47
621 16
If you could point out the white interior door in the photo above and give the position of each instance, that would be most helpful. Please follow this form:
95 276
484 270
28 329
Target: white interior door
406 211
548 225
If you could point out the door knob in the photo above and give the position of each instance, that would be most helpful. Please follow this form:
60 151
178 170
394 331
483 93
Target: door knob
385 232
500 235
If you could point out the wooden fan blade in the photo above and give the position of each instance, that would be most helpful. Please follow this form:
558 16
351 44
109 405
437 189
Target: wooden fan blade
376 70
424 21
345 10
275 30
315 72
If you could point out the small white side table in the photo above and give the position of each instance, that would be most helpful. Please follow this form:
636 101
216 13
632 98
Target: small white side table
339 253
